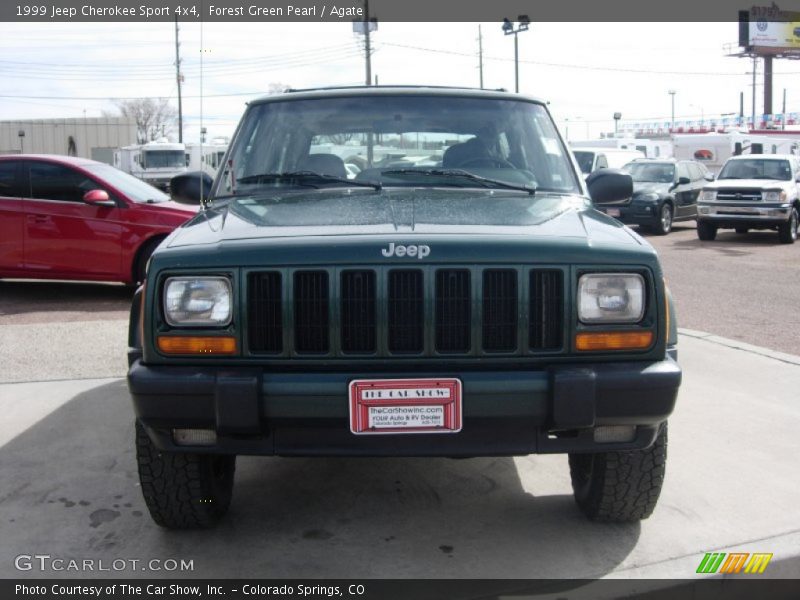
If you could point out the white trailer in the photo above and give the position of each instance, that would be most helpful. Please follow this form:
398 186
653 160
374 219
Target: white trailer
206 157
650 148
154 162
713 149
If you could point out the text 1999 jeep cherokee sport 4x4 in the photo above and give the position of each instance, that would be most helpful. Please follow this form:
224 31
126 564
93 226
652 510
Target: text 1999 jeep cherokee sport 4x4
458 297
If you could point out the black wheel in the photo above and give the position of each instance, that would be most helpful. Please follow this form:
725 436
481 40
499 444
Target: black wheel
787 232
742 230
706 231
140 267
183 490
663 224
620 487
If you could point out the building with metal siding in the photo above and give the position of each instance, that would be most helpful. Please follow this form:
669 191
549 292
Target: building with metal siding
94 138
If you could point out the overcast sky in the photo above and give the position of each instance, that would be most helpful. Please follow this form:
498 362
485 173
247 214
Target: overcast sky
587 71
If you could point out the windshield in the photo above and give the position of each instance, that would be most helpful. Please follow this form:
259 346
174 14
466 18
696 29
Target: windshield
134 189
757 168
651 172
385 139
160 159
585 160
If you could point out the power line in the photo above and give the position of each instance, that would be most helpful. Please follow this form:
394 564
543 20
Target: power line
572 66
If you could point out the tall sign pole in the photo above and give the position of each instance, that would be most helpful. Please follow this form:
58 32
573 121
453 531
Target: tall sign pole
178 78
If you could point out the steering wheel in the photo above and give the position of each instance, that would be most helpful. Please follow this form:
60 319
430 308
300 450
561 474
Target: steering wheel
487 161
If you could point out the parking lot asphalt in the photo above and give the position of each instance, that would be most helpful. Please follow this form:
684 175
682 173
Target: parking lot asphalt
70 490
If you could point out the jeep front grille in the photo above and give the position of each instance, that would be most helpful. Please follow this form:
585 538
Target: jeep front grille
265 312
406 312
382 312
311 323
500 312
453 302
358 333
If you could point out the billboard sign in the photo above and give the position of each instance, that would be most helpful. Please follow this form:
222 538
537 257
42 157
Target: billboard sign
773 30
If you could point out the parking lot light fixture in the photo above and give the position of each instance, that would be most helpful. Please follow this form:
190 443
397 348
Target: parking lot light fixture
523 23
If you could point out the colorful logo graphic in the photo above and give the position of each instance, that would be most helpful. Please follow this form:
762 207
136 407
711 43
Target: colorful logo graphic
734 562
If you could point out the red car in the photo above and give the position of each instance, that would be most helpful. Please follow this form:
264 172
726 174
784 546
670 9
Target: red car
71 218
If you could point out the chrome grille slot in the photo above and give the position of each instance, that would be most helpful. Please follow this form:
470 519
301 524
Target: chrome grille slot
739 195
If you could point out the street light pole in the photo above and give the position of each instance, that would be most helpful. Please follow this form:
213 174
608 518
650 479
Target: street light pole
672 126
508 29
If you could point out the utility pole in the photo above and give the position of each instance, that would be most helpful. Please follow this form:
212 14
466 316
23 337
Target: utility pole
367 50
480 54
755 70
178 78
783 112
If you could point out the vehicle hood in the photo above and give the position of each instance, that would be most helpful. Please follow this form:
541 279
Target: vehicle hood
167 213
747 183
640 188
356 226
392 212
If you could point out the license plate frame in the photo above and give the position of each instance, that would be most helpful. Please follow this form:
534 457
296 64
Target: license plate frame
405 406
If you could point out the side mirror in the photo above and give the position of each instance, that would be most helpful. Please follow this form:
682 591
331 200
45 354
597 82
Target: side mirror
709 177
610 186
98 198
188 188
684 181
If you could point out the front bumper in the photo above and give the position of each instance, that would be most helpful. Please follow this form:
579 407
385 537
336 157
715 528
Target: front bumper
732 215
506 413
634 214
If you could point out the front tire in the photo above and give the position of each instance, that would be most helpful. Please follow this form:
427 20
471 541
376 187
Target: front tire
706 231
620 487
183 490
663 224
787 232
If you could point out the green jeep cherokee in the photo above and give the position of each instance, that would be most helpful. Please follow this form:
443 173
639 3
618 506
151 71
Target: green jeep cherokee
402 271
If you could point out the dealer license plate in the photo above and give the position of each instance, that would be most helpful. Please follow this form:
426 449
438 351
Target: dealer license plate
405 406
612 212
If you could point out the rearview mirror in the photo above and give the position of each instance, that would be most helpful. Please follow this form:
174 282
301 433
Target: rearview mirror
610 186
188 188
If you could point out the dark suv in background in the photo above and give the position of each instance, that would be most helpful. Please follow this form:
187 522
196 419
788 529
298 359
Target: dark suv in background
664 191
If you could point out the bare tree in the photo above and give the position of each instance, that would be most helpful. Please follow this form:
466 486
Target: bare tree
277 88
154 118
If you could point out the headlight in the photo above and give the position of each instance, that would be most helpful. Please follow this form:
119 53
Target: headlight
708 196
774 196
611 298
197 301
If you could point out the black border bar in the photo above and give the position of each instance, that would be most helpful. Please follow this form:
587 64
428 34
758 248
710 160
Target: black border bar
42 11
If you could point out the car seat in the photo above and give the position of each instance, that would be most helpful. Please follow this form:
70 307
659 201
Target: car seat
325 164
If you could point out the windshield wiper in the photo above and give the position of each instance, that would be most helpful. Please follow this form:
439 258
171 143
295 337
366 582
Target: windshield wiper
485 181
306 178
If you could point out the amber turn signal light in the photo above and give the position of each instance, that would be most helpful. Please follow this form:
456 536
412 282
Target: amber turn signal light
614 340
173 344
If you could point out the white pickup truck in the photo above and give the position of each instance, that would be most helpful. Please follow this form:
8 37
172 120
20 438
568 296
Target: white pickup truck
754 191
